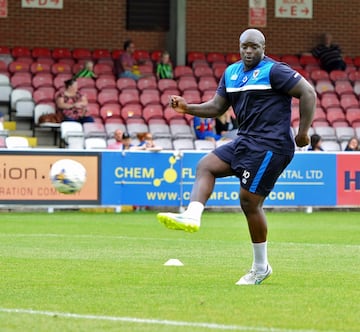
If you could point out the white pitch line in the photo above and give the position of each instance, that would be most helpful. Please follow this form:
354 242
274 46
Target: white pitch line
210 326
121 237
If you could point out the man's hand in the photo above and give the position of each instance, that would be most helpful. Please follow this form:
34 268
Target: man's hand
302 140
178 104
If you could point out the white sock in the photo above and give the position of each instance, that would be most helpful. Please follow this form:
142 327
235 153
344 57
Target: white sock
194 210
260 261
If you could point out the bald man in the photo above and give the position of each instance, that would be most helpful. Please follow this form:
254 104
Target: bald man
259 90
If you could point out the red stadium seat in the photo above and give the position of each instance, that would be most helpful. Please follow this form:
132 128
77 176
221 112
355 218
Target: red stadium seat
5 50
335 114
156 55
319 74
93 109
207 95
232 57
115 54
59 80
150 96
180 71
39 67
166 83
290 59
20 80
323 86
207 83
144 83
170 114
187 82
85 82
129 96
343 87
348 100
103 69
41 80
192 96
61 53
203 71
41 52
356 62
44 95
354 76
153 111
329 100
212 57
81 54
110 110
338 75
125 83
308 59
101 53
319 115
90 93
141 55
194 55
17 66
106 96
352 115
106 82
61 68
21 51
131 111
165 96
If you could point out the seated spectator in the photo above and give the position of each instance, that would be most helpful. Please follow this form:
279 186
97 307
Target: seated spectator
226 124
2 121
127 145
204 129
352 145
146 142
329 54
164 68
72 104
315 143
87 71
127 65
122 141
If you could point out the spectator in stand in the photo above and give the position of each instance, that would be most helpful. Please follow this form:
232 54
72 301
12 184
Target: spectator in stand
127 145
127 65
352 145
122 141
329 54
204 129
146 142
2 121
164 68
226 125
72 104
87 71
315 143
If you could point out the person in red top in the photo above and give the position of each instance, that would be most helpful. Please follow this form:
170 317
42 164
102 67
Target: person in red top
72 104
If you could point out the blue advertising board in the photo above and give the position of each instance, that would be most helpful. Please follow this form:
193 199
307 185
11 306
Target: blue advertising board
166 179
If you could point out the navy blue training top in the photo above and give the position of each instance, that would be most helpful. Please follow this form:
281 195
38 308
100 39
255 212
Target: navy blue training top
261 103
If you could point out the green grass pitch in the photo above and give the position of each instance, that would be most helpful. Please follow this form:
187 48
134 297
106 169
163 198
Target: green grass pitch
76 271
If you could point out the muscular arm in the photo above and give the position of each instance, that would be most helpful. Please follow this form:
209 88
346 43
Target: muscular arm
210 109
307 97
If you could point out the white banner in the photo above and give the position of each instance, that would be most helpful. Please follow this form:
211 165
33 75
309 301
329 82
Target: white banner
44 4
294 8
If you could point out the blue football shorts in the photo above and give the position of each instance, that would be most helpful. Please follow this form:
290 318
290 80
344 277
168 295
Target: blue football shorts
257 169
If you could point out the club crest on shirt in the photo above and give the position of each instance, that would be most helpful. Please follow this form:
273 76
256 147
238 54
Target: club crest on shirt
256 73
